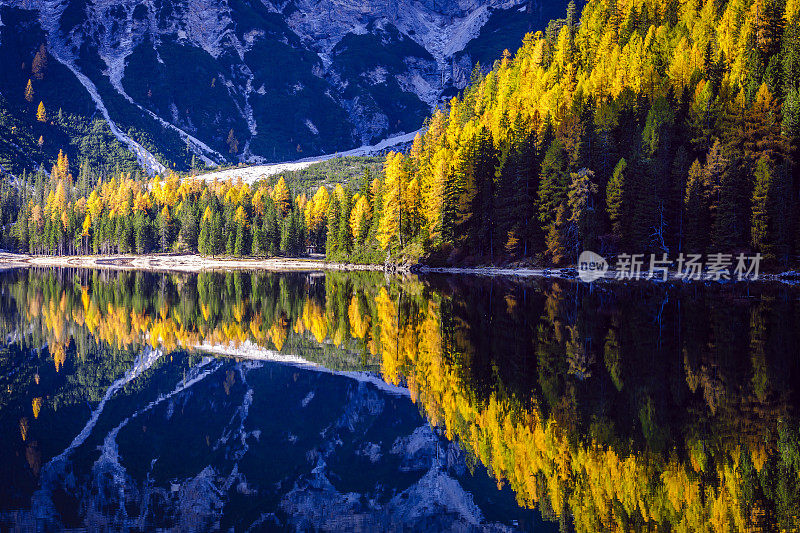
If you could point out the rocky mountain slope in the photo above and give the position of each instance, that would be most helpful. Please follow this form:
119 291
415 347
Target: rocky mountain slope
177 81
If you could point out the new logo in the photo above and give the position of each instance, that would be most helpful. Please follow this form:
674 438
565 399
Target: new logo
591 266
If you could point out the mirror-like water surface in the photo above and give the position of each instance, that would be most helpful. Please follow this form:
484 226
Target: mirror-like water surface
354 401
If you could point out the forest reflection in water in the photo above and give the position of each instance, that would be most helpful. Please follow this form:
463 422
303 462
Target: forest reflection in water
606 407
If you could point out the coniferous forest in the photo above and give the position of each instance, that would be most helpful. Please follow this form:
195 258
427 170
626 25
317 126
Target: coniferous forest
637 126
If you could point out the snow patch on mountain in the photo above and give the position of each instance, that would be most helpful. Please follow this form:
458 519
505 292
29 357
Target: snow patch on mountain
255 173
253 352
311 127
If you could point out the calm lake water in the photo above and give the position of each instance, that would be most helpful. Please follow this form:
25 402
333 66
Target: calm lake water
358 402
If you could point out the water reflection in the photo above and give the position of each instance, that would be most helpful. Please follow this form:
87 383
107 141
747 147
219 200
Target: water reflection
624 407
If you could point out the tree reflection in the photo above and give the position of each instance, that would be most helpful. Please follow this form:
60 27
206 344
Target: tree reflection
625 407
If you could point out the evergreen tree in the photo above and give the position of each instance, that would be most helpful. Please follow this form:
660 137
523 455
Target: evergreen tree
271 229
344 238
768 231
695 219
217 240
618 203
553 183
187 215
142 237
164 222
332 242
241 244
582 222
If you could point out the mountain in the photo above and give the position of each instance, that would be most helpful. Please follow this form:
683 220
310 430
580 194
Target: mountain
177 83
649 126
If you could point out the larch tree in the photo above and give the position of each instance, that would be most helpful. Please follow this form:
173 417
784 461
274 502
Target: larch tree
41 113
233 143
29 92
282 197
390 228
39 63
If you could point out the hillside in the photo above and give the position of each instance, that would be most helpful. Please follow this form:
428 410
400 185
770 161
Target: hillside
637 127
643 126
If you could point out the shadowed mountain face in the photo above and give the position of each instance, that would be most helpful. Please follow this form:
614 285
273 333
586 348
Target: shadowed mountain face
247 79
209 444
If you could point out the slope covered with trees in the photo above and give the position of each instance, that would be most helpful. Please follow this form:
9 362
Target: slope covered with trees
640 126
643 126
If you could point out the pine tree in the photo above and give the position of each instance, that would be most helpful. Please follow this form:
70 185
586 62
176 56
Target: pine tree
217 240
553 182
257 239
695 219
483 208
164 229
39 63
41 113
271 229
769 226
29 92
202 239
187 215
722 210
618 203
515 195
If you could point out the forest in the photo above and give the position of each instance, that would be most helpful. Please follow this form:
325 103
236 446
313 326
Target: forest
636 126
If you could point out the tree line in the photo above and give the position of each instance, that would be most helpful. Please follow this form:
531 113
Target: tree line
56 213
645 126
642 126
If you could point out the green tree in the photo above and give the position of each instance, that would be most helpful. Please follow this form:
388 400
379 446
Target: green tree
618 203
770 211
695 205
553 183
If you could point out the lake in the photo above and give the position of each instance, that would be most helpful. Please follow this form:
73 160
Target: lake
356 401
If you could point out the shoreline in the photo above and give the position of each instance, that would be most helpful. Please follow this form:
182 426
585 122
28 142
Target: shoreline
193 263
790 278
189 263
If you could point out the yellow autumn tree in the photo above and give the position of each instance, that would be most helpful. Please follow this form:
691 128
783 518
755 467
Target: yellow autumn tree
41 113
29 91
282 197
360 218
389 227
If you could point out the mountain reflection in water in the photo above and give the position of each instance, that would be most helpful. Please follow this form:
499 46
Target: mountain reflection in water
282 400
